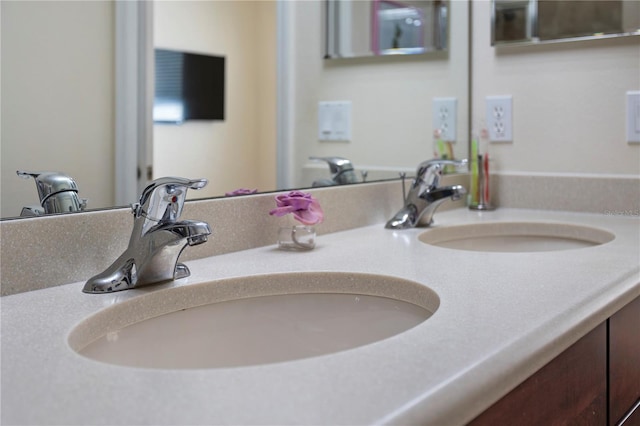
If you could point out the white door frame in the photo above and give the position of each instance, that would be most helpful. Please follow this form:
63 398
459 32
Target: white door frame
284 94
133 99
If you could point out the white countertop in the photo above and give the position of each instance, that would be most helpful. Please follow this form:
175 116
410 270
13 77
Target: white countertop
501 317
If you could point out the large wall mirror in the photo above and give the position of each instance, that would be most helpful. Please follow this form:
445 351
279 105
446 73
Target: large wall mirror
543 21
58 94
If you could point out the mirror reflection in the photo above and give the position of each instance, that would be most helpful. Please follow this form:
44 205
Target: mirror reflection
535 21
58 97
385 27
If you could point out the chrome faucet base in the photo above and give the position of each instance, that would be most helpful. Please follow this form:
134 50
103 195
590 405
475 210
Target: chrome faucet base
482 207
157 239
126 279
58 193
341 169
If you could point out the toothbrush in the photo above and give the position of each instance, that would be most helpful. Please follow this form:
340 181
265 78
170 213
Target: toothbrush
481 180
486 177
438 150
484 136
450 169
441 150
474 171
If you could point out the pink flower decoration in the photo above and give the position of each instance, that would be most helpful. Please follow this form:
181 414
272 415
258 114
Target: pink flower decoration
241 191
302 205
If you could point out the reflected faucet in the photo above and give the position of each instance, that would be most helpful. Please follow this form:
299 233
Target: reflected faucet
425 195
341 169
58 193
157 240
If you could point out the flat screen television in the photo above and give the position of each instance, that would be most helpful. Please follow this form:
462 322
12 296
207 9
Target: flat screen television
188 86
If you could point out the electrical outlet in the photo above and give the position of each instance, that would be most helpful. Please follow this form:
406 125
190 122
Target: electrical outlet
444 117
499 118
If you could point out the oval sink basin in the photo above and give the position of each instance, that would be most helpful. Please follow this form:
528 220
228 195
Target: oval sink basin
516 237
253 320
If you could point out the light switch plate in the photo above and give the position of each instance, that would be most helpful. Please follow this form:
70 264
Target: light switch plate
444 117
334 121
499 118
633 116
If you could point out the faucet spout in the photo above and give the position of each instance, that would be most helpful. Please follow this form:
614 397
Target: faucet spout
425 195
156 242
437 197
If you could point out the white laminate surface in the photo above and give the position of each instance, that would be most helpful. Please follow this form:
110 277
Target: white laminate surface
501 317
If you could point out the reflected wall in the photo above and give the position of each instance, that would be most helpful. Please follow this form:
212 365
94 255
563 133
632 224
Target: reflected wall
64 118
57 97
569 102
391 98
239 151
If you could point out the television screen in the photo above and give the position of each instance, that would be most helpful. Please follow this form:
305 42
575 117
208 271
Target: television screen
188 86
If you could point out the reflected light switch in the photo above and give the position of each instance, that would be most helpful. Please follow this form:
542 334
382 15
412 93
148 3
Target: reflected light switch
334 121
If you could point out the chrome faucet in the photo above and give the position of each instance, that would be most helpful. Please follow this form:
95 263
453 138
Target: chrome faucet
342 170
58 193
157 240
426 195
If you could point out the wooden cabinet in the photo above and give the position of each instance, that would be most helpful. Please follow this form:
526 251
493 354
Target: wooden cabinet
573 385
596 381
624 363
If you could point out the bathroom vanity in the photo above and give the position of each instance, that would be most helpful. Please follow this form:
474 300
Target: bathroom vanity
505 327
595 381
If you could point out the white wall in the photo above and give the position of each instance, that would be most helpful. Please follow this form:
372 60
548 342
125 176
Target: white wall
568 101
57 98
391 97
239 151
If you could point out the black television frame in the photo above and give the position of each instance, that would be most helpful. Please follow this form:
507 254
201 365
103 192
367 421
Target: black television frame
192 83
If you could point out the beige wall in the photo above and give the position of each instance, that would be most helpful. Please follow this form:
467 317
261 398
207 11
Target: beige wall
239 151
391 97
57 97
568 101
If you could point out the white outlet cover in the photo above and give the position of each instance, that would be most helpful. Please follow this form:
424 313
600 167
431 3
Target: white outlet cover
499 118
633 116
445 117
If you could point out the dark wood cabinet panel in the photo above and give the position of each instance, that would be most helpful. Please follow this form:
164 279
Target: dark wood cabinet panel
624 362
571 389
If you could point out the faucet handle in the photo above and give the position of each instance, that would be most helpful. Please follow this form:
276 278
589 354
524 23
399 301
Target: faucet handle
163 199
429 171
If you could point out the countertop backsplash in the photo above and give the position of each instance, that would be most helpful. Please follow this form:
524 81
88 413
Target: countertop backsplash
602 194
54 250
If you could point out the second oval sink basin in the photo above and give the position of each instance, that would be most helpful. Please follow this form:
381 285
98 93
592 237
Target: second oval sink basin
516 237
253 320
